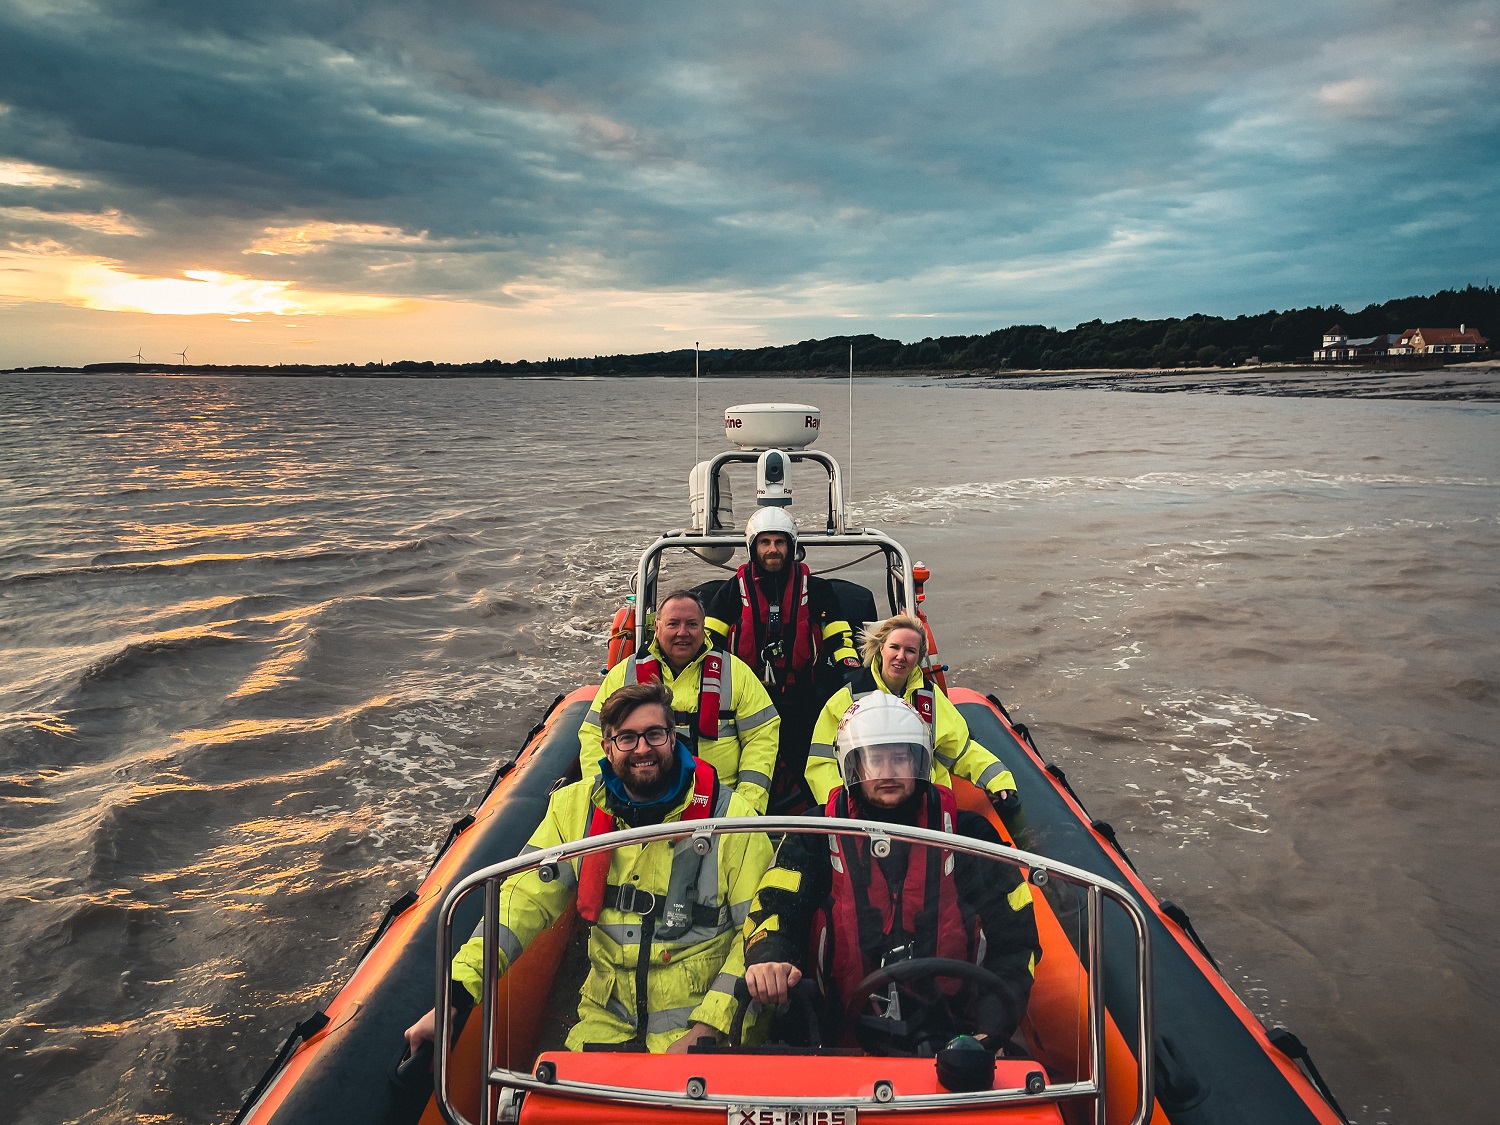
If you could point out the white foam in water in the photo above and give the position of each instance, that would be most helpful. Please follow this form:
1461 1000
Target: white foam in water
1213 746
429 772
972 496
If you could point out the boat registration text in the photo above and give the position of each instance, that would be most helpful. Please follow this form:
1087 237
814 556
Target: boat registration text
791 1115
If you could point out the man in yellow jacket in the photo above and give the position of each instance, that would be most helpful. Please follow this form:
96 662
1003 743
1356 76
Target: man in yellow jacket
721 708
665 944
893 654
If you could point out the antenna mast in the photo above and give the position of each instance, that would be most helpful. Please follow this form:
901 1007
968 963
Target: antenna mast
696 415
848 492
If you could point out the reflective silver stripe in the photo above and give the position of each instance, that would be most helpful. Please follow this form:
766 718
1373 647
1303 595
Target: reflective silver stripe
510 945
740 910
616 1007
947 762
621 933
724 982
820 750
592 718
659 1023
696 936
990 774
760 718
755 777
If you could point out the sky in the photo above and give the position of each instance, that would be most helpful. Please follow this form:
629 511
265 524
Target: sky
285 181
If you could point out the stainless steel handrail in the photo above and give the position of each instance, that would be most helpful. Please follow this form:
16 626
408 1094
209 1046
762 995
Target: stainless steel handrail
1097 888
836 514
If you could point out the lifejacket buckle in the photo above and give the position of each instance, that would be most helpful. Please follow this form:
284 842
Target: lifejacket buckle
896 953
633 900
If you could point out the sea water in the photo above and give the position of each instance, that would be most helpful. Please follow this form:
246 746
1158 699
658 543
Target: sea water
263 639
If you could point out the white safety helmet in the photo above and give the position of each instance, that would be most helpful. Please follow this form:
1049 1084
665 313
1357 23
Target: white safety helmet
767 520
871 735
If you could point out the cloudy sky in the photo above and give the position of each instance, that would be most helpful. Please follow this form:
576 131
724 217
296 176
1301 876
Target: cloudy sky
326 180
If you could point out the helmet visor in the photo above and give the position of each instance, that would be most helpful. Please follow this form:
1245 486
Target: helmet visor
886 761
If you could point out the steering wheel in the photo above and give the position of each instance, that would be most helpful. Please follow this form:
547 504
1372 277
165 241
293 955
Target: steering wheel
917 969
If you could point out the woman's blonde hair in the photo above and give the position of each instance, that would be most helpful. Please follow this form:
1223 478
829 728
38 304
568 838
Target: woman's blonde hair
873 637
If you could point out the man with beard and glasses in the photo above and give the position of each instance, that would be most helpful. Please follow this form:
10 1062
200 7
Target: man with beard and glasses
788 626
665 949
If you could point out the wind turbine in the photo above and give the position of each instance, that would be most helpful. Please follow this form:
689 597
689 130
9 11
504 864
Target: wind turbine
138 357
183 355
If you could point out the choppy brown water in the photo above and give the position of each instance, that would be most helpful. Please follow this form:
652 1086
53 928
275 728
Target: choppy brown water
262 640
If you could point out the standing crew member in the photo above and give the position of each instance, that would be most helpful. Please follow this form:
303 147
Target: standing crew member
665 944
787 626
832 907
893 653
721 709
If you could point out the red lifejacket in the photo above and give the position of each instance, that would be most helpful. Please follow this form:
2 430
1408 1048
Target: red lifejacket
594 871
757 628
646 669
859 922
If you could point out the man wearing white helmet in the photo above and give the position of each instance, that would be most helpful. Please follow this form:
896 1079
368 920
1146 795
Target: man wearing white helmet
788 626
832 910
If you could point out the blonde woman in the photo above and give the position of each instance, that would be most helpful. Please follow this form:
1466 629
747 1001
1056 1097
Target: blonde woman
893 653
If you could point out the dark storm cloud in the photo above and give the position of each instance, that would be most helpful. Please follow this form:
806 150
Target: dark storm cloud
981 161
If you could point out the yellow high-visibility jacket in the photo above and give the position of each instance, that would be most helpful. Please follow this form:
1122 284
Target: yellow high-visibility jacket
954 752
744 754
690 978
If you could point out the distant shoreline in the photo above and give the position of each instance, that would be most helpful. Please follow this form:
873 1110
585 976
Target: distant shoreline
1477 380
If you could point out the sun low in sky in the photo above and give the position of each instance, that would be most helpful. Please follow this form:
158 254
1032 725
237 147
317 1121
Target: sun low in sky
292 181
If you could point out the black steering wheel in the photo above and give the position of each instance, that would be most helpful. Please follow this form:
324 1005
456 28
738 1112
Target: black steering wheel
917 969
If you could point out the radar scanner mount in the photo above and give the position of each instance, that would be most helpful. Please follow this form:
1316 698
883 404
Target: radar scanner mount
772 436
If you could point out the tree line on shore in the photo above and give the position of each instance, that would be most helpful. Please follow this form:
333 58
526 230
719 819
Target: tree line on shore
1196 340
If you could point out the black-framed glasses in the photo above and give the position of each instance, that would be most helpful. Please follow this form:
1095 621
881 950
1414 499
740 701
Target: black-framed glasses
656 738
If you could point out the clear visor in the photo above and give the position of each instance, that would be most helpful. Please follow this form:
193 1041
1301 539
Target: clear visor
886 762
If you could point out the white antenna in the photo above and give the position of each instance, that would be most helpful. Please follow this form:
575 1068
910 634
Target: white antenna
848 492
696 415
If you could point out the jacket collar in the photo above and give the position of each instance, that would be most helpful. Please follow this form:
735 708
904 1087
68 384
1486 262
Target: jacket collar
609 794
913 678
654 650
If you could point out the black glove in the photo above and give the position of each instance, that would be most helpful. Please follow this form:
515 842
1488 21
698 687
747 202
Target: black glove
1005 802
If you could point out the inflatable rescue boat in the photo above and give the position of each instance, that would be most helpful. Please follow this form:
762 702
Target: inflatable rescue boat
1129 1020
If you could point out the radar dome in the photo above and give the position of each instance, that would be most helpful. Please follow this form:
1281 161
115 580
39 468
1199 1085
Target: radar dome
771 425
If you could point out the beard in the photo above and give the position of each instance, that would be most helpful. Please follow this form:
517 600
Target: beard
649 784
